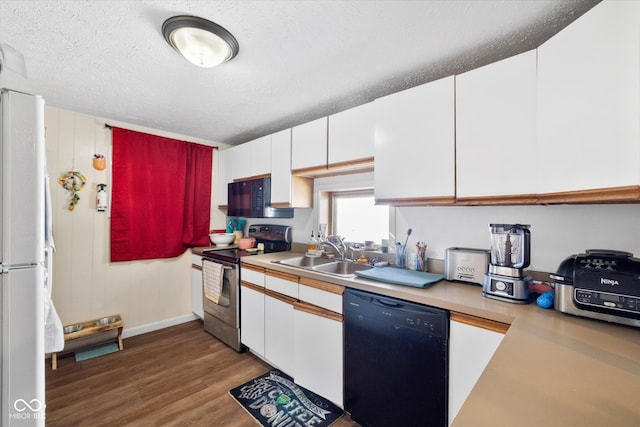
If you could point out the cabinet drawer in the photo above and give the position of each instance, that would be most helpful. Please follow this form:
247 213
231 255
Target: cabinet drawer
322 294
196 260
252 276
282 283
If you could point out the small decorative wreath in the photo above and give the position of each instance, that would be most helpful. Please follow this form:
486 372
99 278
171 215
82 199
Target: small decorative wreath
69 182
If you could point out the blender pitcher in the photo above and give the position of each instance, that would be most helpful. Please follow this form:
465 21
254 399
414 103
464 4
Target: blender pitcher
510 245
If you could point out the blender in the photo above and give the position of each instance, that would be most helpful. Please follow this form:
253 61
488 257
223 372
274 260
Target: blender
510 252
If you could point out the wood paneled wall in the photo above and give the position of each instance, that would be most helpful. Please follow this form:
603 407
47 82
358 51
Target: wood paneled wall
86 285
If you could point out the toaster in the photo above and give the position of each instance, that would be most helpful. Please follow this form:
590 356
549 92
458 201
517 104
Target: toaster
466 264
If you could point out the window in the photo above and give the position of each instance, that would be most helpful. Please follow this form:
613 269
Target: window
355 216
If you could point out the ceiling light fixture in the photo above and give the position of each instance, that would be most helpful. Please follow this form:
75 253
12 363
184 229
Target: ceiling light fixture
201 42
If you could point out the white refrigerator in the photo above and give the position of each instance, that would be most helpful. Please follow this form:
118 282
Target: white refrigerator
22 252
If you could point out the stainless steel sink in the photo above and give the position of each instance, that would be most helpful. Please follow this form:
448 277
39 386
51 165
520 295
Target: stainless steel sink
305 261
325 265
341 268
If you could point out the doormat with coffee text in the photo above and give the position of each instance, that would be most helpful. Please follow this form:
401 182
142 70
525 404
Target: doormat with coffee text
273 399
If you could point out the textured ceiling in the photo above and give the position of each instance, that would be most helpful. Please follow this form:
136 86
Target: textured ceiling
298 60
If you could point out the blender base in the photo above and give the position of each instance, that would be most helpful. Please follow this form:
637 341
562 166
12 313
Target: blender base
509 289
508 299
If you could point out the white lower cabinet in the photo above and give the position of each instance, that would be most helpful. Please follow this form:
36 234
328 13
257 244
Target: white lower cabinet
470 349
196 286
252 318
318 352
278 332
302 337
318 338
252 308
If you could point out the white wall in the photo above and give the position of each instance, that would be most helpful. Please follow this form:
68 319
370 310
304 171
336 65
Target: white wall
86 285
556 231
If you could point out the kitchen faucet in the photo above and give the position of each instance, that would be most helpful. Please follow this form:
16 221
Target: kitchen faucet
334 241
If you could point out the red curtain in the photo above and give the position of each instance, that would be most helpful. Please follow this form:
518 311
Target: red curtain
161 196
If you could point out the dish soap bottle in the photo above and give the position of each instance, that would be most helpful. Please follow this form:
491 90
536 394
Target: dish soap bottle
313 243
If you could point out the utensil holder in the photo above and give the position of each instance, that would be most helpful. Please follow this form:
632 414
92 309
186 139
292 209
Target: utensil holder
421 261
401 257
421 256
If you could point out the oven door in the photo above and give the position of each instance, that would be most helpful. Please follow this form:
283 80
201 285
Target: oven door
222 318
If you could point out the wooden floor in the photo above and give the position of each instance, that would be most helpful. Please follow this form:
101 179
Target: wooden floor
177 376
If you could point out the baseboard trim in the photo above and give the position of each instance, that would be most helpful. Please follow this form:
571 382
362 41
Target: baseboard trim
126 333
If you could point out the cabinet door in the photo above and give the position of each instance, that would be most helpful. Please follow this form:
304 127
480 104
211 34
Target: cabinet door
249 160
281 168
196 286
351 135
496 129
414 145
318 354
237 162
278 332
252 318
589 101
309 145
223 177
470 349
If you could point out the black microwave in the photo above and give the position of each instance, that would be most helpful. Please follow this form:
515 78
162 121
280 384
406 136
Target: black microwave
252 199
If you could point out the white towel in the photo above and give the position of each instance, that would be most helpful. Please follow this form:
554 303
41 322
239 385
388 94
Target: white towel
48 217
53 332
212 277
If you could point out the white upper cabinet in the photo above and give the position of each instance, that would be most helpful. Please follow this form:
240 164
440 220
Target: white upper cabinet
496 129
309 145
351 134
248 160
287 190
243 161
589 102
281 167
414 145
223 177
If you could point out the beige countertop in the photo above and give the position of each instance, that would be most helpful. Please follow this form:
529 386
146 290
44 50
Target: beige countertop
551 369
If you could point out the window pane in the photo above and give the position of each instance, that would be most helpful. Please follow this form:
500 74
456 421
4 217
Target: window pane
357 218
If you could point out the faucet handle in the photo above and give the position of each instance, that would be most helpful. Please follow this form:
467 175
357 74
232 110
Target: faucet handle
335 239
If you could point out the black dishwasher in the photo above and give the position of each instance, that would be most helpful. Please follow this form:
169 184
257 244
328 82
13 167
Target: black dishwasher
396 361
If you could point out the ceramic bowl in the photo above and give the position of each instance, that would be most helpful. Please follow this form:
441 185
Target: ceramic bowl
246 242
222 239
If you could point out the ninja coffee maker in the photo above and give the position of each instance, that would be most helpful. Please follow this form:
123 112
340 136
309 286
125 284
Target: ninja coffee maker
510 252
